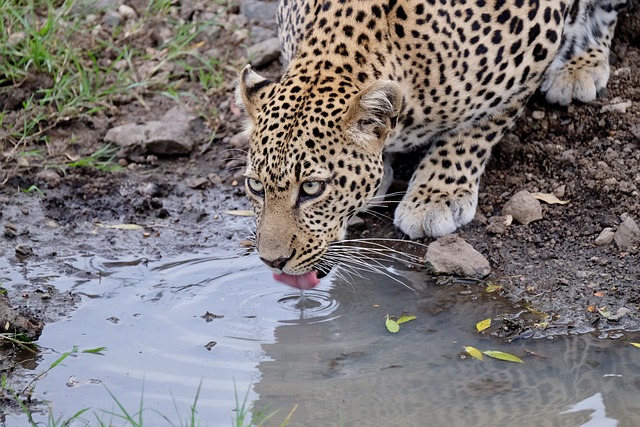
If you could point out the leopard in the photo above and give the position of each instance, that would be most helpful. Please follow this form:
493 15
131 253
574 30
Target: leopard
365 80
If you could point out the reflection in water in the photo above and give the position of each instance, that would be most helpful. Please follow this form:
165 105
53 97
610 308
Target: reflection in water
330 354
352 372
595 405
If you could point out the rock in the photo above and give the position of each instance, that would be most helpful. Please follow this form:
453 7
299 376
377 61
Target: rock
49 176
175 134
86 7
23 250
356 223
499 224
16 38
452 255
127 12
264 53
259 34
618 107
259 11
10 230
523 207
538 115
605 237
112 19
239 140
627 236
15 322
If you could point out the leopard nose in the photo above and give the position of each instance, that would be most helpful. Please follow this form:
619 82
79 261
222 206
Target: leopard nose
276 263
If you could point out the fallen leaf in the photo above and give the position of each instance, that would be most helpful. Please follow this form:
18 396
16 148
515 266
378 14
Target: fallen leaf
605 312
598 294
473 352
247 243
405 319
591 309
492 288
502 356
635 344
239 212
392 325
549 198
483 324
121 226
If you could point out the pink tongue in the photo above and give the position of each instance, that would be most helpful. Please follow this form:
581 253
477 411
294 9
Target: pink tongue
302 281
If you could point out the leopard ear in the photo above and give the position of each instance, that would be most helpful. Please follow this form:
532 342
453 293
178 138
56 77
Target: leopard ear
251 92
373 112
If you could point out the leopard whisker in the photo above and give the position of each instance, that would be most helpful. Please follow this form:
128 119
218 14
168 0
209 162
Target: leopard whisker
360 265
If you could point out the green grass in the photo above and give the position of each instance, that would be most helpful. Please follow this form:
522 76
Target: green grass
58 68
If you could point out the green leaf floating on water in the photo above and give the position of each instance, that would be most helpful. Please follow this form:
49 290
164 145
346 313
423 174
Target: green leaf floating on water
405 319
503 356
392 325
97 350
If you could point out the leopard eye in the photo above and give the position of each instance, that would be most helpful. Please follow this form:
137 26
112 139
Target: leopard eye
312 188
255 186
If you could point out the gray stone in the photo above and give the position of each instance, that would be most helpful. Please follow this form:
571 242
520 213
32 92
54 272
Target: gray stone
259 11
127 12
605 237
259 34
175 134
452 255
627 235
499 224
239 140
86 7
50 176
112 19
264 53
523 207
356 223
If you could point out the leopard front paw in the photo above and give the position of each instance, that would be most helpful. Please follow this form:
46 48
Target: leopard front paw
435 215
579 79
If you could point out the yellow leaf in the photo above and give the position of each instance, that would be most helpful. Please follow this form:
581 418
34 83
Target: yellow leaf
549 198
482 325
392 325
635 344
502 356
492 288
238 212
405 319
473 352
122 226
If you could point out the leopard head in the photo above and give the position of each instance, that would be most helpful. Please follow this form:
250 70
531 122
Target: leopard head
314 161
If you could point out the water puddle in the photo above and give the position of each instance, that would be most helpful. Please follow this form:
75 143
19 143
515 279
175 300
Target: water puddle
221 324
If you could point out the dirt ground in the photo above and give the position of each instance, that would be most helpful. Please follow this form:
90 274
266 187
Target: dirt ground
565 283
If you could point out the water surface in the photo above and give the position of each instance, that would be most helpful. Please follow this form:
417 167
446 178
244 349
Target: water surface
220 324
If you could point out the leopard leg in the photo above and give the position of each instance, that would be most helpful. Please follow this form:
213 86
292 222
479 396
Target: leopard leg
581 66
443 192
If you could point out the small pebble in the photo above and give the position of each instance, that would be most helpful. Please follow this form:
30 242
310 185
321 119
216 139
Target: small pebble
523 207
605 237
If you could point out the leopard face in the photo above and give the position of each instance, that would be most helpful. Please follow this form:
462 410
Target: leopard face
315 160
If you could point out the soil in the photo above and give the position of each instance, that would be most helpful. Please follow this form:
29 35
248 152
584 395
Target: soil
551 268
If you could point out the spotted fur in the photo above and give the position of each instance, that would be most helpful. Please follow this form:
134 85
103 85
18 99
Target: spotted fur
367 79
